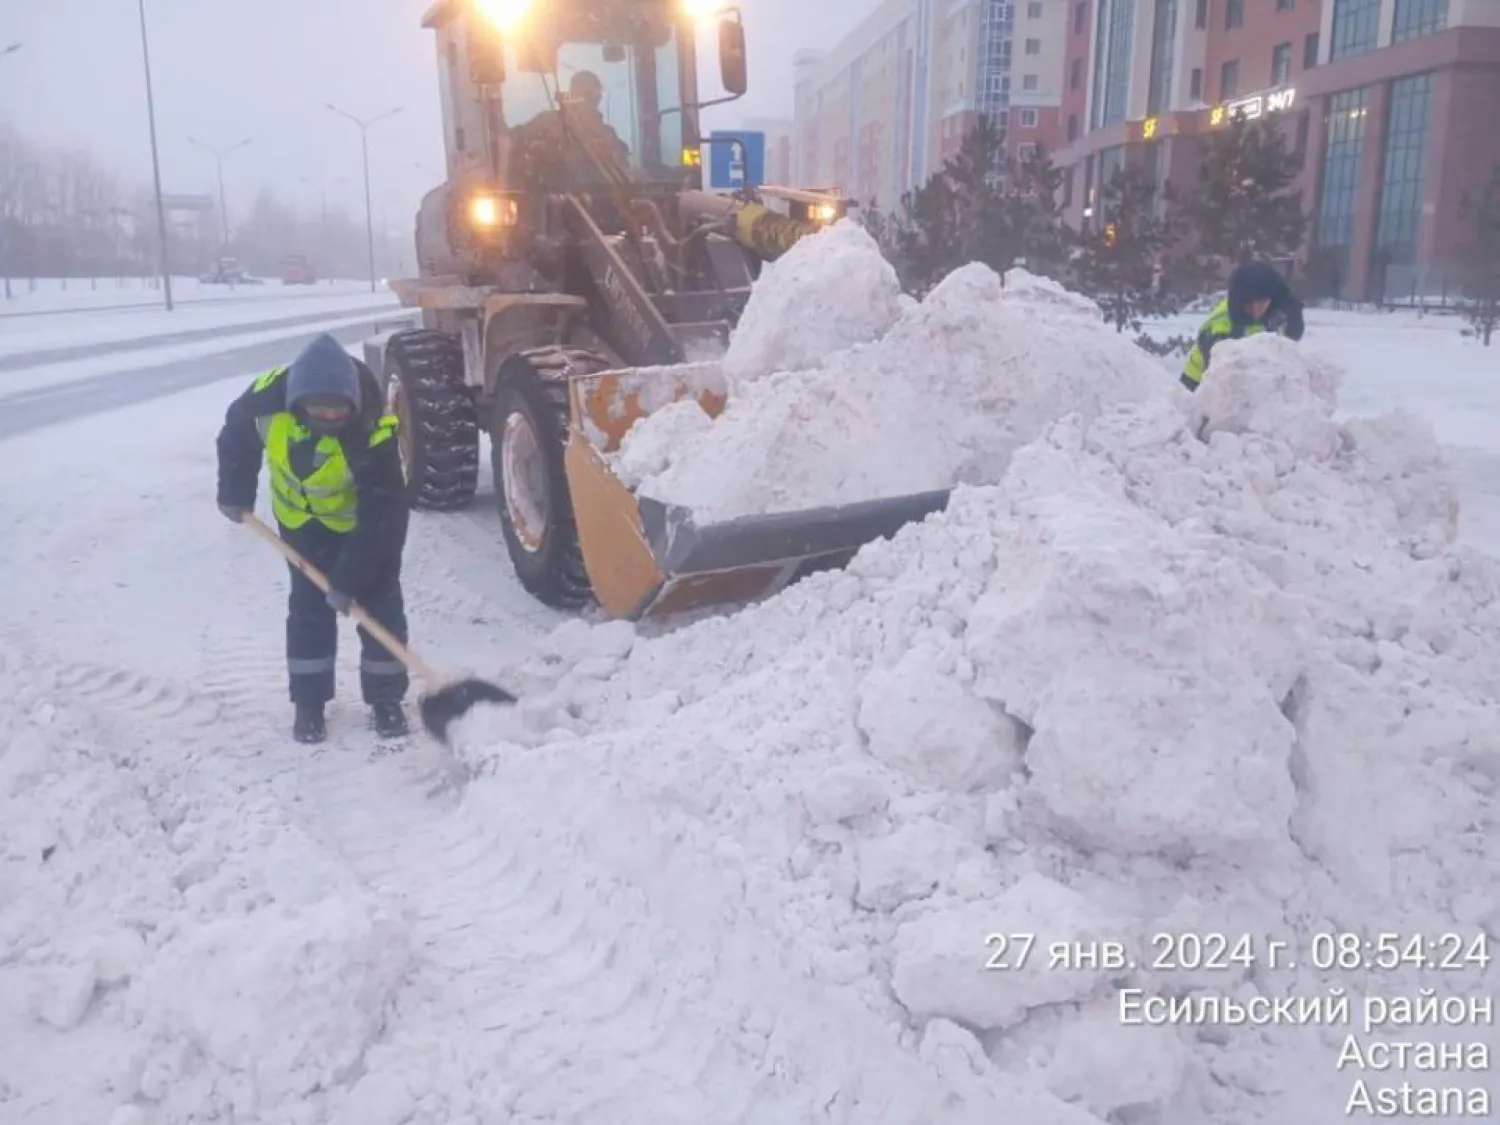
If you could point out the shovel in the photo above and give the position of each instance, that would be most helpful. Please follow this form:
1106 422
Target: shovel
443 703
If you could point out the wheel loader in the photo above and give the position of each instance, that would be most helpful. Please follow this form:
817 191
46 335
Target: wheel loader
574 276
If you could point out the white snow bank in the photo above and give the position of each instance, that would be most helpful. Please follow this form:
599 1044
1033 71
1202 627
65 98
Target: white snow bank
1196 664
881 401
181 953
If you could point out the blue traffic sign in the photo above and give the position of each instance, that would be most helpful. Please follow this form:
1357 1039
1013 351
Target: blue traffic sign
736 159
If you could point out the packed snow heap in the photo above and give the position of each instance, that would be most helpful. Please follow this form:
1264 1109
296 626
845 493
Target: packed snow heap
1184 710
1185 665
841 389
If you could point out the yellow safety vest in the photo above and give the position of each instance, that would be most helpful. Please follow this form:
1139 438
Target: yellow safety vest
328 493
1220 327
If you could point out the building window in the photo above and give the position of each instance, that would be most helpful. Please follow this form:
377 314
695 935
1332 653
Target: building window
1028 81
1416 18
1310 51
1033 46
1034 10
1285 5
1075 74
1195 83
1343 152
1027 151
1080 17
1163 61
1111 160
1112 34
1234 14
1281 65
1028 119
1401 181
1072 127
1229 79
1356 28
1200 17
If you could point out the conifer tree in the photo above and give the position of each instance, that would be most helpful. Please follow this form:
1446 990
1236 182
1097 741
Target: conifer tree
1246 203
1119 264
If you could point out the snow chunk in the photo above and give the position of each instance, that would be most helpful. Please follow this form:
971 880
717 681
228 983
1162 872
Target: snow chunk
827 293
293 997
917 717
940 957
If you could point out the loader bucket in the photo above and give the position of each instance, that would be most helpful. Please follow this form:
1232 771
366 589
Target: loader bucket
650 559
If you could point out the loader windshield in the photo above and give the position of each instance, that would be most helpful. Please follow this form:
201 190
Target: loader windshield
600 84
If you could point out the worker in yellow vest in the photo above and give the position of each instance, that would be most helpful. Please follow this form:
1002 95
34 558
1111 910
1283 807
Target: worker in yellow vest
1259 300
339 497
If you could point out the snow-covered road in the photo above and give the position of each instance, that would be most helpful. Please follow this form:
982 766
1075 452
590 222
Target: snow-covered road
58 392
688 885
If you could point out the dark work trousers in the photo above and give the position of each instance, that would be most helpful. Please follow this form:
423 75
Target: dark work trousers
312 634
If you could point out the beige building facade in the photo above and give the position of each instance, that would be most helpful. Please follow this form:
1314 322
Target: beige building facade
879 113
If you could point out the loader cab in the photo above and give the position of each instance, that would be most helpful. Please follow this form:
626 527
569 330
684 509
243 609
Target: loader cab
571 95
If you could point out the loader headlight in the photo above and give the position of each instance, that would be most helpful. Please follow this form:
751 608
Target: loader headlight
702 10
493 212
823 213
503 15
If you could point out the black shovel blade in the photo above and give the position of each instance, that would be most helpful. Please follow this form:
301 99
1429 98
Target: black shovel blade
448 704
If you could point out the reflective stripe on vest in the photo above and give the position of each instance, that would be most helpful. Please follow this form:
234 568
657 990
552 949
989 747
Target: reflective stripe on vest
328 493
1219 326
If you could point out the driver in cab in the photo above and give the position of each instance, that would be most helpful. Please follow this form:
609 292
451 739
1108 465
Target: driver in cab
546 141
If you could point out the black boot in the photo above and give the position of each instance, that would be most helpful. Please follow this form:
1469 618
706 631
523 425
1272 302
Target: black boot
389 720
308 726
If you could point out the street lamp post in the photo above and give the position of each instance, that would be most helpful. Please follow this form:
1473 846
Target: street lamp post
161 207
364 142
219 154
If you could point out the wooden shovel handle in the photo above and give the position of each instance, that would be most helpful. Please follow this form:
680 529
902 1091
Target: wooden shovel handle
412 662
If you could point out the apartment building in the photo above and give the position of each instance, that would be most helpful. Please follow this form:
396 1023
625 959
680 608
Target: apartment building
879 113
1391 103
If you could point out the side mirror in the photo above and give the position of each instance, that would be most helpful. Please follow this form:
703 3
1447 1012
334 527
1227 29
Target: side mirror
733 72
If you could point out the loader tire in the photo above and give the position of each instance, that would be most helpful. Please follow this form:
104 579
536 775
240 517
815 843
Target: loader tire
530 432
439 431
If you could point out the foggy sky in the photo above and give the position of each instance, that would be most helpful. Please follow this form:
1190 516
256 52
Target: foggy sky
228 69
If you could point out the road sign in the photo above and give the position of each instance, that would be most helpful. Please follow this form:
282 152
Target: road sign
736 159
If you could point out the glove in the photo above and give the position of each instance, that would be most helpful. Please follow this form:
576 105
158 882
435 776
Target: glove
233 513
339 601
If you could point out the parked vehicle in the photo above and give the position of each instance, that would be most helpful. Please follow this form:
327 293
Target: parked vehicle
298 270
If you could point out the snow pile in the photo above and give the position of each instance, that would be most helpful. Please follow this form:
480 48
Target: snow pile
1190 667
831 292
839 392
206 958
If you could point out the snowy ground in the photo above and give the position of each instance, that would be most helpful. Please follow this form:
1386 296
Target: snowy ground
33 331
745 871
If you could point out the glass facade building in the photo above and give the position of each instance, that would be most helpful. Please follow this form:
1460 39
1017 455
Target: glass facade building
1416 18
1407 129
1356 28
1344 126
